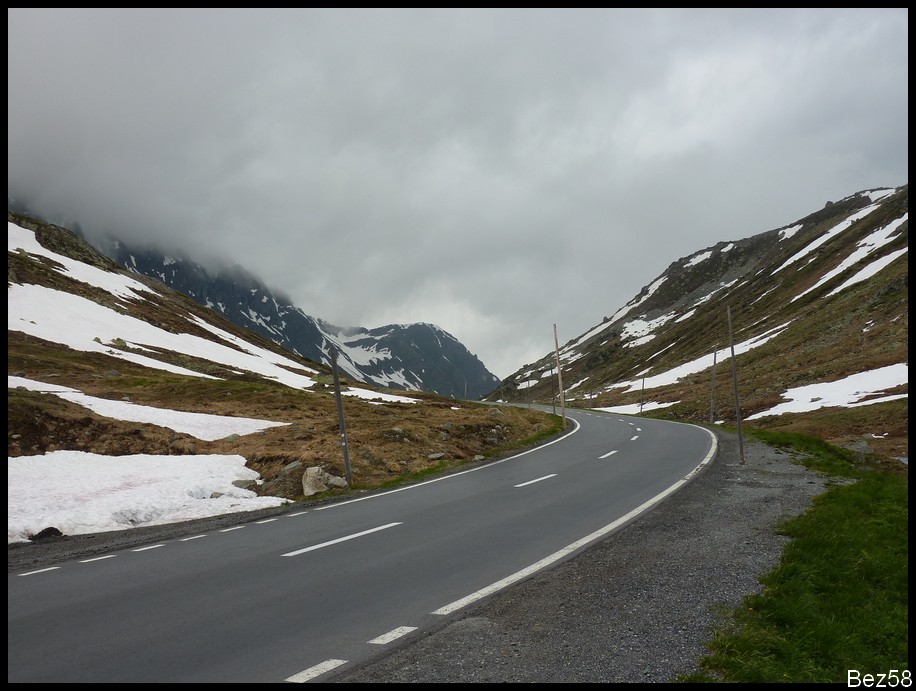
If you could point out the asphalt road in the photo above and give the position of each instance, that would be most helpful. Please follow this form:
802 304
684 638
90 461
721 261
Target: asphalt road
319 594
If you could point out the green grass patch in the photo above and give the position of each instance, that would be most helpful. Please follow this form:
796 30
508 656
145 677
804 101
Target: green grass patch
417 476
813 453
554 428
546 433
838 601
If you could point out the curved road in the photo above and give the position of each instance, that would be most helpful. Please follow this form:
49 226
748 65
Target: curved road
313 593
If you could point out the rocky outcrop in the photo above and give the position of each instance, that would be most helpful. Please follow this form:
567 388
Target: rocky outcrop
316 480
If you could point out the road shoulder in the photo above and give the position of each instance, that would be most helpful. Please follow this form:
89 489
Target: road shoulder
637 606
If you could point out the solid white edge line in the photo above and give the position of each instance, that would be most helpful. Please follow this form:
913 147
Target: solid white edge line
578 544
393 635
315 671
446 477
30 573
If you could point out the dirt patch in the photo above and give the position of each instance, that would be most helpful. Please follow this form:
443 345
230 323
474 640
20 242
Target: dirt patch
385 442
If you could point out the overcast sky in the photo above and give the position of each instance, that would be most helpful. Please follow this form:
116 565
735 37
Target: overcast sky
493 172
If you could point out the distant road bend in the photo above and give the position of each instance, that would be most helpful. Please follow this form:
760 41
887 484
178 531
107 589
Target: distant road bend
314 593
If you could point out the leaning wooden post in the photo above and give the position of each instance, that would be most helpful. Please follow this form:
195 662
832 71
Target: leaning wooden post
712 401
556 345
340 417
735 380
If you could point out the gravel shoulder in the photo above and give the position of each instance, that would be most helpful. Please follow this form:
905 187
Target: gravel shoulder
636 607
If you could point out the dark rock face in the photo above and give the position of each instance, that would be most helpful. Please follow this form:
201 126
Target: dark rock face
411 357
46 534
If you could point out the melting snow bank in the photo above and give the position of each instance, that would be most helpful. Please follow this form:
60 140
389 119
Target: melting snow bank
200 425
637 408
850 392
80 493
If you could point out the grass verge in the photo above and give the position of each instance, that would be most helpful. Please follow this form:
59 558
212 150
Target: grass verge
836 607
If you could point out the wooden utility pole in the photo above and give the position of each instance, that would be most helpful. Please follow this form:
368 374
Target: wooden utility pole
556 345
712 401
553 393
735 381
340 417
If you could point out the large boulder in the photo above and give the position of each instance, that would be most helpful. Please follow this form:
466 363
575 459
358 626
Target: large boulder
316 480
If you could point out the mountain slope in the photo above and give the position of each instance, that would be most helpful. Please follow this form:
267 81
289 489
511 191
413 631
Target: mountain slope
812 302
411 357
81 327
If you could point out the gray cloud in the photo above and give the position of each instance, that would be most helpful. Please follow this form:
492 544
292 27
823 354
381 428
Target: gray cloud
490 171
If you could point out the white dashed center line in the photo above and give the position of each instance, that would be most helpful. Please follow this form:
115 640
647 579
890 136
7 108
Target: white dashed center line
340 539
531 482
